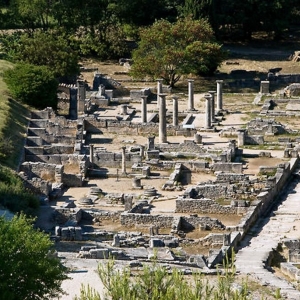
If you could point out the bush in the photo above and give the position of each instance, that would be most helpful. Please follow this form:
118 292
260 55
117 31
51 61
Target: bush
33 85
14 196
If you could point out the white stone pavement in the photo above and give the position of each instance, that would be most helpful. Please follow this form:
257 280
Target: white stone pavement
254 252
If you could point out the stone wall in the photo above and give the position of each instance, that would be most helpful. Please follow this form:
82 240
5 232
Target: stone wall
267 198
231 177
254 140
72 180
40 170
134 219
63 215
228 167
93 125
205 223
290 270
174 223
211 191
203 206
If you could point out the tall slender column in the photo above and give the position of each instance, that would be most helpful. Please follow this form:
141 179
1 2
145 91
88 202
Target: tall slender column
80 97
208 111
212 106
144 109
124 160
191 94
175 111
159 89
92 154
162 119
142 151
219 95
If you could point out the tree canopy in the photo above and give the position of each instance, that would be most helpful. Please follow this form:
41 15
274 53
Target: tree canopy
52 49
169 50
28 271
33 85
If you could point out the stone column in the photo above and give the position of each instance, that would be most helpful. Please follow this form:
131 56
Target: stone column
175 111
219 95
265 87
144 109
80 97
191 94
136 183
212 106
162 119
142 151
159 89
241 138
92 154
197 138
151 145
207 111
123 160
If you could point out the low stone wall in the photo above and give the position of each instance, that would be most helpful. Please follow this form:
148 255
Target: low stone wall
188 146
228 167
231 177
40 170
98 216
134 219
212 191
201 223
72 180
69 233
63 215
93 125
290 270
203 206
254 140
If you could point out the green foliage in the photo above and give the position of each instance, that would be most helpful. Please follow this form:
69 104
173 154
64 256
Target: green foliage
13 195
28 270
106 40
52 49
6 147
156 282
169 50
32 14
33 85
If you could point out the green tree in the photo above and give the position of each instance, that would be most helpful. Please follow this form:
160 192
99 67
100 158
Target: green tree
28 269
33 85
51 49
32 14
169 50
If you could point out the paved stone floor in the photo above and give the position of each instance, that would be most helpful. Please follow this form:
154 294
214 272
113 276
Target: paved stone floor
265 236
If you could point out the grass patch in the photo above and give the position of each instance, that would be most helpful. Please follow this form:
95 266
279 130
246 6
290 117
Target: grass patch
13 122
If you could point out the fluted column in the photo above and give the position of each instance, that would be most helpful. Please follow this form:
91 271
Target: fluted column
219 95
175 111
144 109
123 160
191 94
212 106
162 119
207 111
159 89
